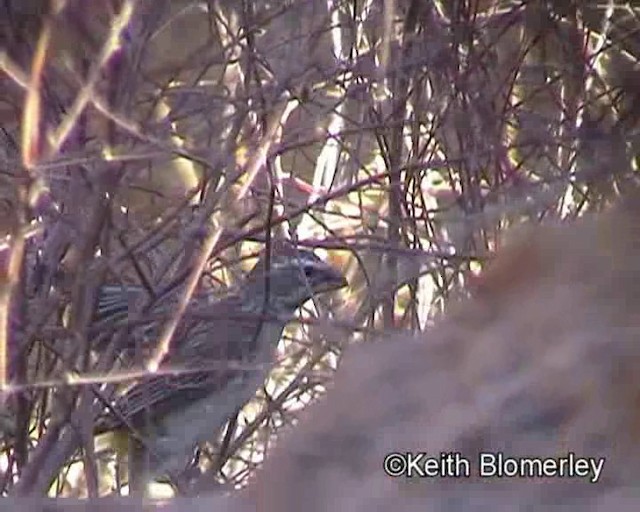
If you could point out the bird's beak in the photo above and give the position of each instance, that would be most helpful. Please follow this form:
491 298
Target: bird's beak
328 279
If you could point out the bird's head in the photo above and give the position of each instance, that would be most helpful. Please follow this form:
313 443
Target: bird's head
291 277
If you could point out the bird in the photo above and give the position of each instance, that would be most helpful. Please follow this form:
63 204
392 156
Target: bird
219 358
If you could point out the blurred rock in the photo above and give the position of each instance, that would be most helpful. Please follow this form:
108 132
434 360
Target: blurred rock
543 362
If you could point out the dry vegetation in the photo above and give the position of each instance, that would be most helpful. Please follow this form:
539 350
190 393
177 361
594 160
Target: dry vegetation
158 141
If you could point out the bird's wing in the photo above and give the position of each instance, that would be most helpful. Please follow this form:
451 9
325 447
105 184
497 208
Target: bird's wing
155 396
114 301
223 345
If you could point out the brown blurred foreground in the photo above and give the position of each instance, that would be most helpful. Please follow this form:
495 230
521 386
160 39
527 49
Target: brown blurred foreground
542 362
209 504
